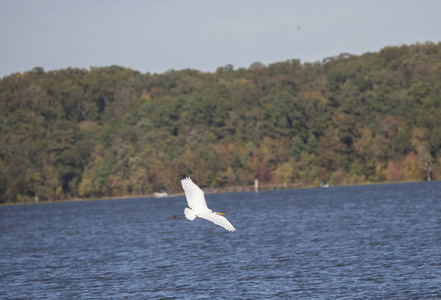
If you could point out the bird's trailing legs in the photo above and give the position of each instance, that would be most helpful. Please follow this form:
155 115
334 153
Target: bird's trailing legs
177 217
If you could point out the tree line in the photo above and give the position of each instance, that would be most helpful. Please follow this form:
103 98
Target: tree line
112 131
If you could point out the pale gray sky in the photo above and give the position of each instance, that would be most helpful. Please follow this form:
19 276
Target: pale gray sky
157 35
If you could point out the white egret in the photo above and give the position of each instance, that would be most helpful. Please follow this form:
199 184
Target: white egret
198 206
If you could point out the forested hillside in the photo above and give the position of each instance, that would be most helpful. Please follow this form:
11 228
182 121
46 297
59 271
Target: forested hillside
113 131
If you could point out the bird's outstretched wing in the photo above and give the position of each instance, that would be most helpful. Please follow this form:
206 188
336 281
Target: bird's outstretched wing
218 220
195 196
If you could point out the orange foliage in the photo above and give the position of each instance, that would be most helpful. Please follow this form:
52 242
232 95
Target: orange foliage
393 172
411 168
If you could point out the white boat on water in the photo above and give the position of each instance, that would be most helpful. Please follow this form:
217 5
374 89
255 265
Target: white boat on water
161 194
324 185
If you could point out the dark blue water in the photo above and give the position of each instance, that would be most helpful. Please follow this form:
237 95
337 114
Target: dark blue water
360 242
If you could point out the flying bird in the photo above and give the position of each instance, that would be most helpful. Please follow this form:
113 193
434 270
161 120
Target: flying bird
198 206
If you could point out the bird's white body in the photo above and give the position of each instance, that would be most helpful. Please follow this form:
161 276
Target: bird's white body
198 206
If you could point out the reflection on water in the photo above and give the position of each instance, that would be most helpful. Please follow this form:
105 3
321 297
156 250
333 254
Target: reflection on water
380 241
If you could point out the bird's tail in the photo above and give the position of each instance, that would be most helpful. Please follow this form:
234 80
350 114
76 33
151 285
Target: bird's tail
189 214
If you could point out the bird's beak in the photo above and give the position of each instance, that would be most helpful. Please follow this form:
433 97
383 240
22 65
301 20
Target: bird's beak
221 214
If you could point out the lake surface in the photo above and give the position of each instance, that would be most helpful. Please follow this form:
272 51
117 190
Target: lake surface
359 242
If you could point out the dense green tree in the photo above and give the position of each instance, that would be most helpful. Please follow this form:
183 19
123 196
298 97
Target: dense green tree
297 147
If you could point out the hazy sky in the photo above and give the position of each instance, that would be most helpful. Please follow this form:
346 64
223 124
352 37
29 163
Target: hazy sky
158 35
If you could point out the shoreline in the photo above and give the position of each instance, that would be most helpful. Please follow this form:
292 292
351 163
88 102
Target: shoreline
218 190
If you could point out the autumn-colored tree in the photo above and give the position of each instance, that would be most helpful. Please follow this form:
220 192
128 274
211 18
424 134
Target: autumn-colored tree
393 172
420 142
425 159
